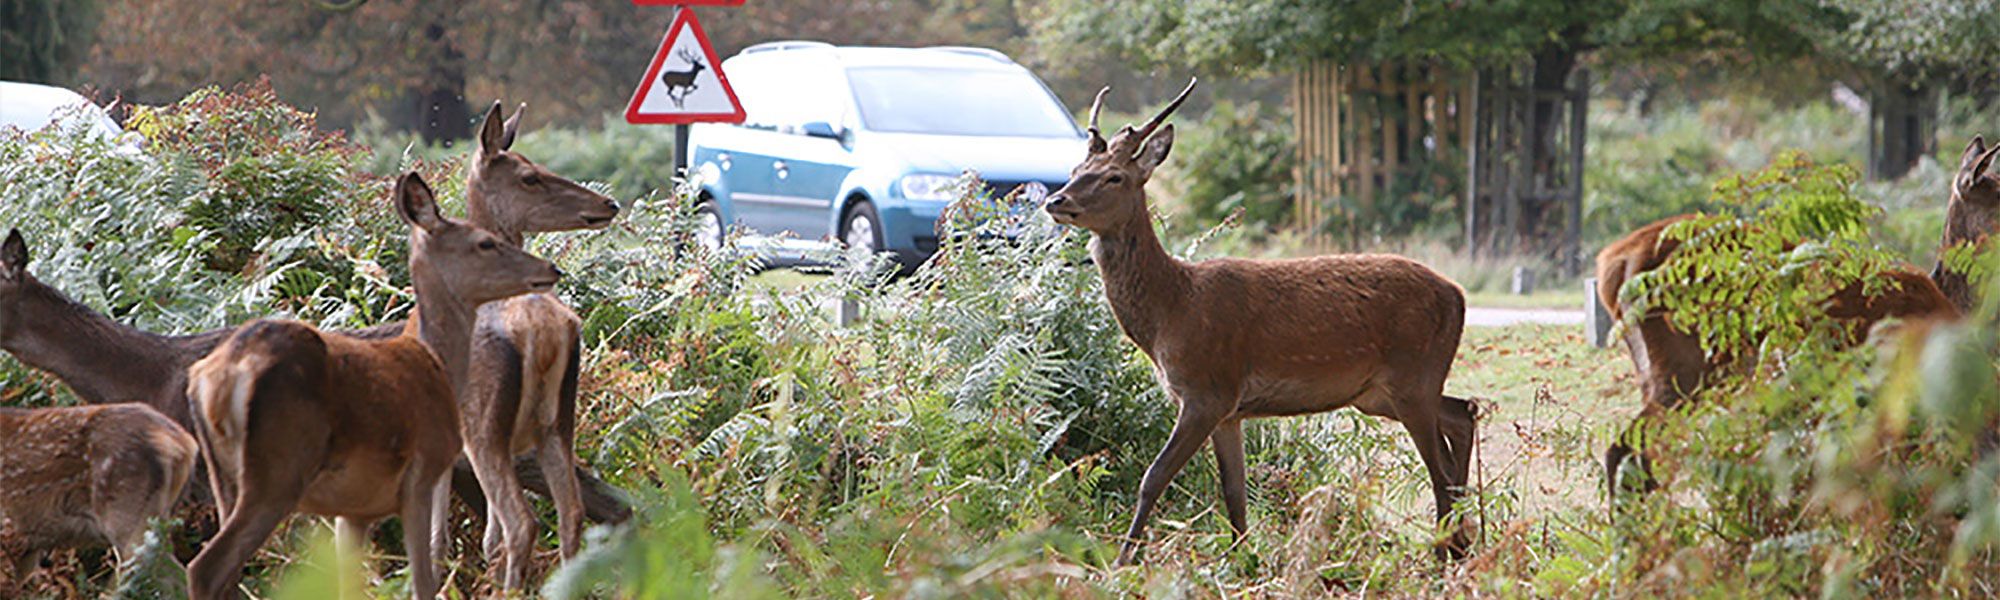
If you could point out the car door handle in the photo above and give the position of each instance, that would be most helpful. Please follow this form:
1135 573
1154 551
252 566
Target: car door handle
783 169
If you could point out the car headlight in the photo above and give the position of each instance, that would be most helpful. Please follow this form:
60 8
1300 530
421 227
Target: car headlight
929 187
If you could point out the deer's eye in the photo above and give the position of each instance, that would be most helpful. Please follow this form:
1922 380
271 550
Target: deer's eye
1115 179
488 245
531 179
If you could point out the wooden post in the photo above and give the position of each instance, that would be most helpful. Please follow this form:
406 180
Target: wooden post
1470 111
1579 102
1596 320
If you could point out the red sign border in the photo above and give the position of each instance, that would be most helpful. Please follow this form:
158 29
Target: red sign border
632 114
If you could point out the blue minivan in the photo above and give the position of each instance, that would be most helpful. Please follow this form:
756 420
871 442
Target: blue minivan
863 146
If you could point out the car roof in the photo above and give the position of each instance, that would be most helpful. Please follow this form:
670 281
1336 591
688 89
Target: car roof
31 106
950 57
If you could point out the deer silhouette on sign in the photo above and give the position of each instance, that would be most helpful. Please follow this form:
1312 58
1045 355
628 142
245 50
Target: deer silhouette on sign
679 83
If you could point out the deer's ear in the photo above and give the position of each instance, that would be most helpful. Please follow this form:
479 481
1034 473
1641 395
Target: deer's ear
416 204
493 136
1156 148
14 254
512 127
1975 164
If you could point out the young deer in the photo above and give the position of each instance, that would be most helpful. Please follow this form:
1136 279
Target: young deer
520 394
1671 363
1236 339
105 361
293 419
85 476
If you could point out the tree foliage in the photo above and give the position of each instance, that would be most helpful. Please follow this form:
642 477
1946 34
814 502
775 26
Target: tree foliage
570 60
43 40
1273 35
1949 39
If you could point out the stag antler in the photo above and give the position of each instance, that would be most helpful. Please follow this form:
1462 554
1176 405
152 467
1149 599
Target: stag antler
1143 132
1097 137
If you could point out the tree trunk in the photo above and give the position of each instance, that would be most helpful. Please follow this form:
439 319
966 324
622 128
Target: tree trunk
1902 127
438 109
1538 227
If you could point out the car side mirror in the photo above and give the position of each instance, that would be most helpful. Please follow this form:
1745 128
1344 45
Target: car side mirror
820 129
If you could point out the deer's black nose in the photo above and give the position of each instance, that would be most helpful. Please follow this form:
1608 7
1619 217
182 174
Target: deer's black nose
613 203
1056 200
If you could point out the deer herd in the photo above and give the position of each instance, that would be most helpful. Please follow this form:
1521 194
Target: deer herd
477 391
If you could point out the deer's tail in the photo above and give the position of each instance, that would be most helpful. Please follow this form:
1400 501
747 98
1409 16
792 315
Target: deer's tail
261 358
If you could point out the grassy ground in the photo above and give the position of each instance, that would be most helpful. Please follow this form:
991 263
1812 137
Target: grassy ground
1553 403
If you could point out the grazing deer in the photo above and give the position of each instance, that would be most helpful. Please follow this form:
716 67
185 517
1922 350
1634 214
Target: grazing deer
105 361
1671 363
85 476
520 394
293 419
679 83
1235 339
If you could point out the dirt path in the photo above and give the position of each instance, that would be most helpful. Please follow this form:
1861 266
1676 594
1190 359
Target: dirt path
1502 317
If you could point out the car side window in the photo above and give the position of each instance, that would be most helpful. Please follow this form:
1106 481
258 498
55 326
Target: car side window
785 99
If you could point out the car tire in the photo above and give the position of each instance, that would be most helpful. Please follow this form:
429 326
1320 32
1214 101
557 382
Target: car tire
708 227
861 226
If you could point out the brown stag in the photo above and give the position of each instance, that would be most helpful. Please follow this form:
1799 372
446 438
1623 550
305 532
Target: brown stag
1237 339
87 476
105 361
295 420
1671 363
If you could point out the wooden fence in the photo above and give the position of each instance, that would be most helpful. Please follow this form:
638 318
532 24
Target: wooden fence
1363 130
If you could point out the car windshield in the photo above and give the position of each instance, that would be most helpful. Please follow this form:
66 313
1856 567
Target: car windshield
957 102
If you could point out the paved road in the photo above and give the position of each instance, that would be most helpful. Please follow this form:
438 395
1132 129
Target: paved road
1501 317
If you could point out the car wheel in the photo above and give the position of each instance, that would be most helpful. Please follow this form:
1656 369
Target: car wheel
708 227
861 227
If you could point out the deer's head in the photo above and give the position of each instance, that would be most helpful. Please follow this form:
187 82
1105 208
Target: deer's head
694 60
15 282
514 195
1107 192
1975 189
473 264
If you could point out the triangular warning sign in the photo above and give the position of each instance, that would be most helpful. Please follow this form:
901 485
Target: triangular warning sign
685 83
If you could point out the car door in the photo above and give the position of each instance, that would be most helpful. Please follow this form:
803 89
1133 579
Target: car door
809 180
790 168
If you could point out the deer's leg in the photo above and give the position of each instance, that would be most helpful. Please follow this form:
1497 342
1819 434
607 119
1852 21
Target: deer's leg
558 453
219 484
1456 422
1197 420
1672 366
559 466
441 512
509 535
214 573
493 403
602 502
1228 441
425 487
1418 408
350 545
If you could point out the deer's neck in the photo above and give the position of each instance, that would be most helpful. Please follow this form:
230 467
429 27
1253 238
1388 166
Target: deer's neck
1145 285
101 359
479 213
1962 223
443 321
